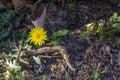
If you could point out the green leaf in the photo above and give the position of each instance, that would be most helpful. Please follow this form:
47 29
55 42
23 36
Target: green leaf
115 15
60 33
71 6
95 75
111 32
114 18
101 31
21 15
37 59
117 25
4 33
86 33
6 15
33 78
12 16
43 77
23 73
56 42
69 77
18 75
9 14
27 46
2 21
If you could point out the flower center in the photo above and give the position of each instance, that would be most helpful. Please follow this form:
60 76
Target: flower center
37 35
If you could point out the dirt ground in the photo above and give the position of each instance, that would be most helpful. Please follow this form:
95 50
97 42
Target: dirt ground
86 55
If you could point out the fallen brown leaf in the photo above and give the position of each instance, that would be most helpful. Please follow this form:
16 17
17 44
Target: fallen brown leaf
18 4
40 21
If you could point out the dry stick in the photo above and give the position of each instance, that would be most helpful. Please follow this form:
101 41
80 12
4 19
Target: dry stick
37 2
53 49
42 56
19 51
13 34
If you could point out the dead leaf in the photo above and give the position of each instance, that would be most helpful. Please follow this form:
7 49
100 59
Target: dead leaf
40 21
18 4
28 26
52 68
4 4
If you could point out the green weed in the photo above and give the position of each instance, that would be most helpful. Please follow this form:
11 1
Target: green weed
71 6
95 75
55 39
102 31
13 70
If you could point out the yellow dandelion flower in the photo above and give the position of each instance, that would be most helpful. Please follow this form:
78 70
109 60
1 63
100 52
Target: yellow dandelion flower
38 36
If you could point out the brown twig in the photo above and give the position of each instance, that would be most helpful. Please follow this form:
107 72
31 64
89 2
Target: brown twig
37 2
62 50
19 51
42 56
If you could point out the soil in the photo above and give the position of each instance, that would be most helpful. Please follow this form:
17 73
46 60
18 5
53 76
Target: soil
86 55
